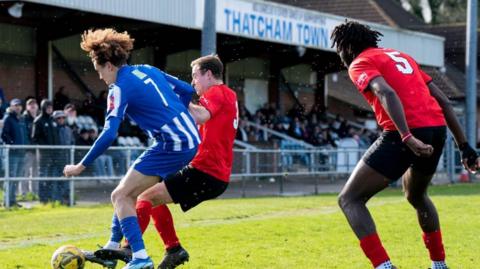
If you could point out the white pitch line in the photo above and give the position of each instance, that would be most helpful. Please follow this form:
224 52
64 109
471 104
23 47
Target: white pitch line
47 241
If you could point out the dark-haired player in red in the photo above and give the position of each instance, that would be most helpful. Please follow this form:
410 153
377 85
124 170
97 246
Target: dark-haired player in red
413 114
207 175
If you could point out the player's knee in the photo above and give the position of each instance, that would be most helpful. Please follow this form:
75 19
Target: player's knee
116 196
415 199
343 200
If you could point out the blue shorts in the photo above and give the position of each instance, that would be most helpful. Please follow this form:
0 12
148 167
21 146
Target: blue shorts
155 161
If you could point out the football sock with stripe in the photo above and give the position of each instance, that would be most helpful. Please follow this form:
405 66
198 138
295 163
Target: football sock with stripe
163 221
374 250
385 265
433 242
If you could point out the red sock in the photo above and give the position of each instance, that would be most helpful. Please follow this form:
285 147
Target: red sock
433 242
144 210
373 249
163 221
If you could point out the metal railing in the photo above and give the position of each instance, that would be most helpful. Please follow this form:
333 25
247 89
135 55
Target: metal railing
45 164
279 135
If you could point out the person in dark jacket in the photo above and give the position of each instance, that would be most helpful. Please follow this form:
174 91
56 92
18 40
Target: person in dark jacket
31 162
61 188
44 132
14 133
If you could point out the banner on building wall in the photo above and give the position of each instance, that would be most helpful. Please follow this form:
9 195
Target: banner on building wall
277 23
295 26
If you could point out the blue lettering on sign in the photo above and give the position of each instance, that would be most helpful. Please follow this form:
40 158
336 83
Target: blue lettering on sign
278 34
312 35
227 16
236 21
261 26
246 24
268 27
275 28
287 31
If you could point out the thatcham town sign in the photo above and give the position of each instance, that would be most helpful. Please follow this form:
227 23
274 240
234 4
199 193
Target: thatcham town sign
276 23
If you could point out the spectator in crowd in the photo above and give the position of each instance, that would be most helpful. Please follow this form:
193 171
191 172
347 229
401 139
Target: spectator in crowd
14 133
343 128
2 111
259 134
316 137
280 127
30 113
298 111
242 133
71 120
44 133
83 139
3 103
296 129
60 100
244 113
61 188
101 107
31 163
88 106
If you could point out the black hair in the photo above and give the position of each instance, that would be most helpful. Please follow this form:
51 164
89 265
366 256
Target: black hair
351 38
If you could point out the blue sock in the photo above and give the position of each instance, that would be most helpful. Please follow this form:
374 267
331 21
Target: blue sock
132 232
117 233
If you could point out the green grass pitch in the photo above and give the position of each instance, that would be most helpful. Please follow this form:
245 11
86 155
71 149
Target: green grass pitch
290 232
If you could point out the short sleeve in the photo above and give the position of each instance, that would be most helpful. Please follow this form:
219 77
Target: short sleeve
425 76
361 72
116 102
212 100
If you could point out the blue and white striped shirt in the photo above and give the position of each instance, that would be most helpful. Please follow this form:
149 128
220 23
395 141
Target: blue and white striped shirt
157 102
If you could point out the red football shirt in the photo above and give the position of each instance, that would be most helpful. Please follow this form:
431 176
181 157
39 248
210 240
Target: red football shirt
402 73
215 153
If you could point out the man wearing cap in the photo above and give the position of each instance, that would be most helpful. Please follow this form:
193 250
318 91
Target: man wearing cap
14 133
60 189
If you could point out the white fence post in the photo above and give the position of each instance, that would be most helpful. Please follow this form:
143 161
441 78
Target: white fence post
72 182
6 183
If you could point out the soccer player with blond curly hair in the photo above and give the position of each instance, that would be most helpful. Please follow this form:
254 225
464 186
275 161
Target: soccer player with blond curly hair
149 97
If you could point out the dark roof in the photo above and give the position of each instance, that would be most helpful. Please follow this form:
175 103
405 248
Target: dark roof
451 87
398 15
455 35
388 12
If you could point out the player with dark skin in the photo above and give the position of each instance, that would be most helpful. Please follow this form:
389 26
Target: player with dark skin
352 39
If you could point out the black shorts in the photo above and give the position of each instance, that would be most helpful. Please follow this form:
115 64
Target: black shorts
391 158
190 186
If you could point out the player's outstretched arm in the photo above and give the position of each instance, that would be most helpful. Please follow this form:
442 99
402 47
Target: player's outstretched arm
199 113
394 108
104 140
470 158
